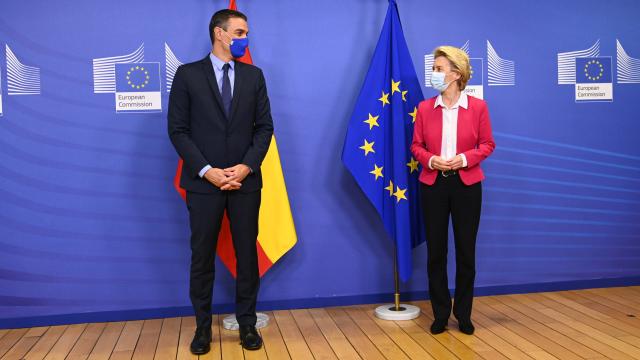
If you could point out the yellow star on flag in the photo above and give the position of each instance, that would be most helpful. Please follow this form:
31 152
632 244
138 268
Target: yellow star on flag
413 165
372 121
390 188
367 147
377 171
399 194
413 114
404 95
384 98
395 87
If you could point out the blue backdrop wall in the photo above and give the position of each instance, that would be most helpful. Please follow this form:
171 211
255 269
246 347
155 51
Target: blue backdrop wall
90 222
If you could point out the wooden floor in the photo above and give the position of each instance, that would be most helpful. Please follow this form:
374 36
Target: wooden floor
586 324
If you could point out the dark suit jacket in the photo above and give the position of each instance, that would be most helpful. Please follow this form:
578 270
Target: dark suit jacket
201 132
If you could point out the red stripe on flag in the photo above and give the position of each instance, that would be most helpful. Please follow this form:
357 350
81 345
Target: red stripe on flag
176 181
227 253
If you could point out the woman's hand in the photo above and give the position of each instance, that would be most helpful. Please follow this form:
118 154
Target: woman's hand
455 163
439 163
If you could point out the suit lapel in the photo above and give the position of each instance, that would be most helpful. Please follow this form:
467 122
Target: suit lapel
463 125
207 68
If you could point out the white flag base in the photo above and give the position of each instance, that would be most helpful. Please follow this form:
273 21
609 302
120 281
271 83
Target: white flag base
231 323
406 312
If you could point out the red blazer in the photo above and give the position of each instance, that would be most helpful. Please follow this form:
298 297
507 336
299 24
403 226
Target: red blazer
474 139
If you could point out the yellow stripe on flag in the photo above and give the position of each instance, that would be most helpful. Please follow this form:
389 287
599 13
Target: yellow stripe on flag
277 231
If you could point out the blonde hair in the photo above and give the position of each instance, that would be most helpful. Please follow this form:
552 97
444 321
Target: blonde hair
459 61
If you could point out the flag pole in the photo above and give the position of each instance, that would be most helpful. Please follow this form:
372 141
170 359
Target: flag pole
397 311
396 280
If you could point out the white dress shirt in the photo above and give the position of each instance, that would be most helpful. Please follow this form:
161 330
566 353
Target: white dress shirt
450 128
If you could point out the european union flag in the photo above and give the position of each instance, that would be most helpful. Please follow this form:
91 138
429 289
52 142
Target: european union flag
137 77
376 148
593 70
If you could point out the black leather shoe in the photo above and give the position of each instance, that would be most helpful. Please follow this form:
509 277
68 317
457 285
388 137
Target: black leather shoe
439 326
201 343
466 326
249 337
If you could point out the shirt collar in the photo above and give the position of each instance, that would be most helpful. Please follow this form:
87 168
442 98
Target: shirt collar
463 102
219 63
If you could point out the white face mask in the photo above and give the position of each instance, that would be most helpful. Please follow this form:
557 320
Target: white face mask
437 81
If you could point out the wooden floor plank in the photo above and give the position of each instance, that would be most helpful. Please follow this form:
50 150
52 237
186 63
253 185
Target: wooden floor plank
336 339
127 342
320 348
273 341
629 294
415 348
618 317
216 346
551 347
398 347
36 331
574 329
526 318
66 342
107 341
613 296
10 338
360 342
509 336
293 339
167 348
20 348
145 348
595 333
453 339
45 343
569 325
82 348
187 330
604 305
570 308
230 343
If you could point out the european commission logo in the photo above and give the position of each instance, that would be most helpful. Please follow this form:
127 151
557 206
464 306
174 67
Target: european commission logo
135 83
592 74
500 72
594 80
21 79
138 87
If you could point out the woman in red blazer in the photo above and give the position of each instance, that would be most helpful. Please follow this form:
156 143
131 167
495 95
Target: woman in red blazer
452 135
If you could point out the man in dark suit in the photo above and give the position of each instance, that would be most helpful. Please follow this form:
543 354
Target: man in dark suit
220 124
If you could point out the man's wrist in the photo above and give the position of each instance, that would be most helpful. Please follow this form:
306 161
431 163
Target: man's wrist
204 170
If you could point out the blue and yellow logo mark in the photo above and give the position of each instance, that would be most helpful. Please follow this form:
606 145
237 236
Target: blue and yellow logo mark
137 77
593 70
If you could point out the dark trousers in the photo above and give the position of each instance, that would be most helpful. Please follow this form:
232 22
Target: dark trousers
449 196
205 217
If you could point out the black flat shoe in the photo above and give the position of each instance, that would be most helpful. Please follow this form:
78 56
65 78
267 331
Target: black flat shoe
466 326
201 343
249 337
439 326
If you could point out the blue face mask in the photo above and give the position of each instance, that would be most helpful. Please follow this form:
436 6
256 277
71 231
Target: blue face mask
437 81
238 46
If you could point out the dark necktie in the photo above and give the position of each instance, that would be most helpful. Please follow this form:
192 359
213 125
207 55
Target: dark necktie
226 90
